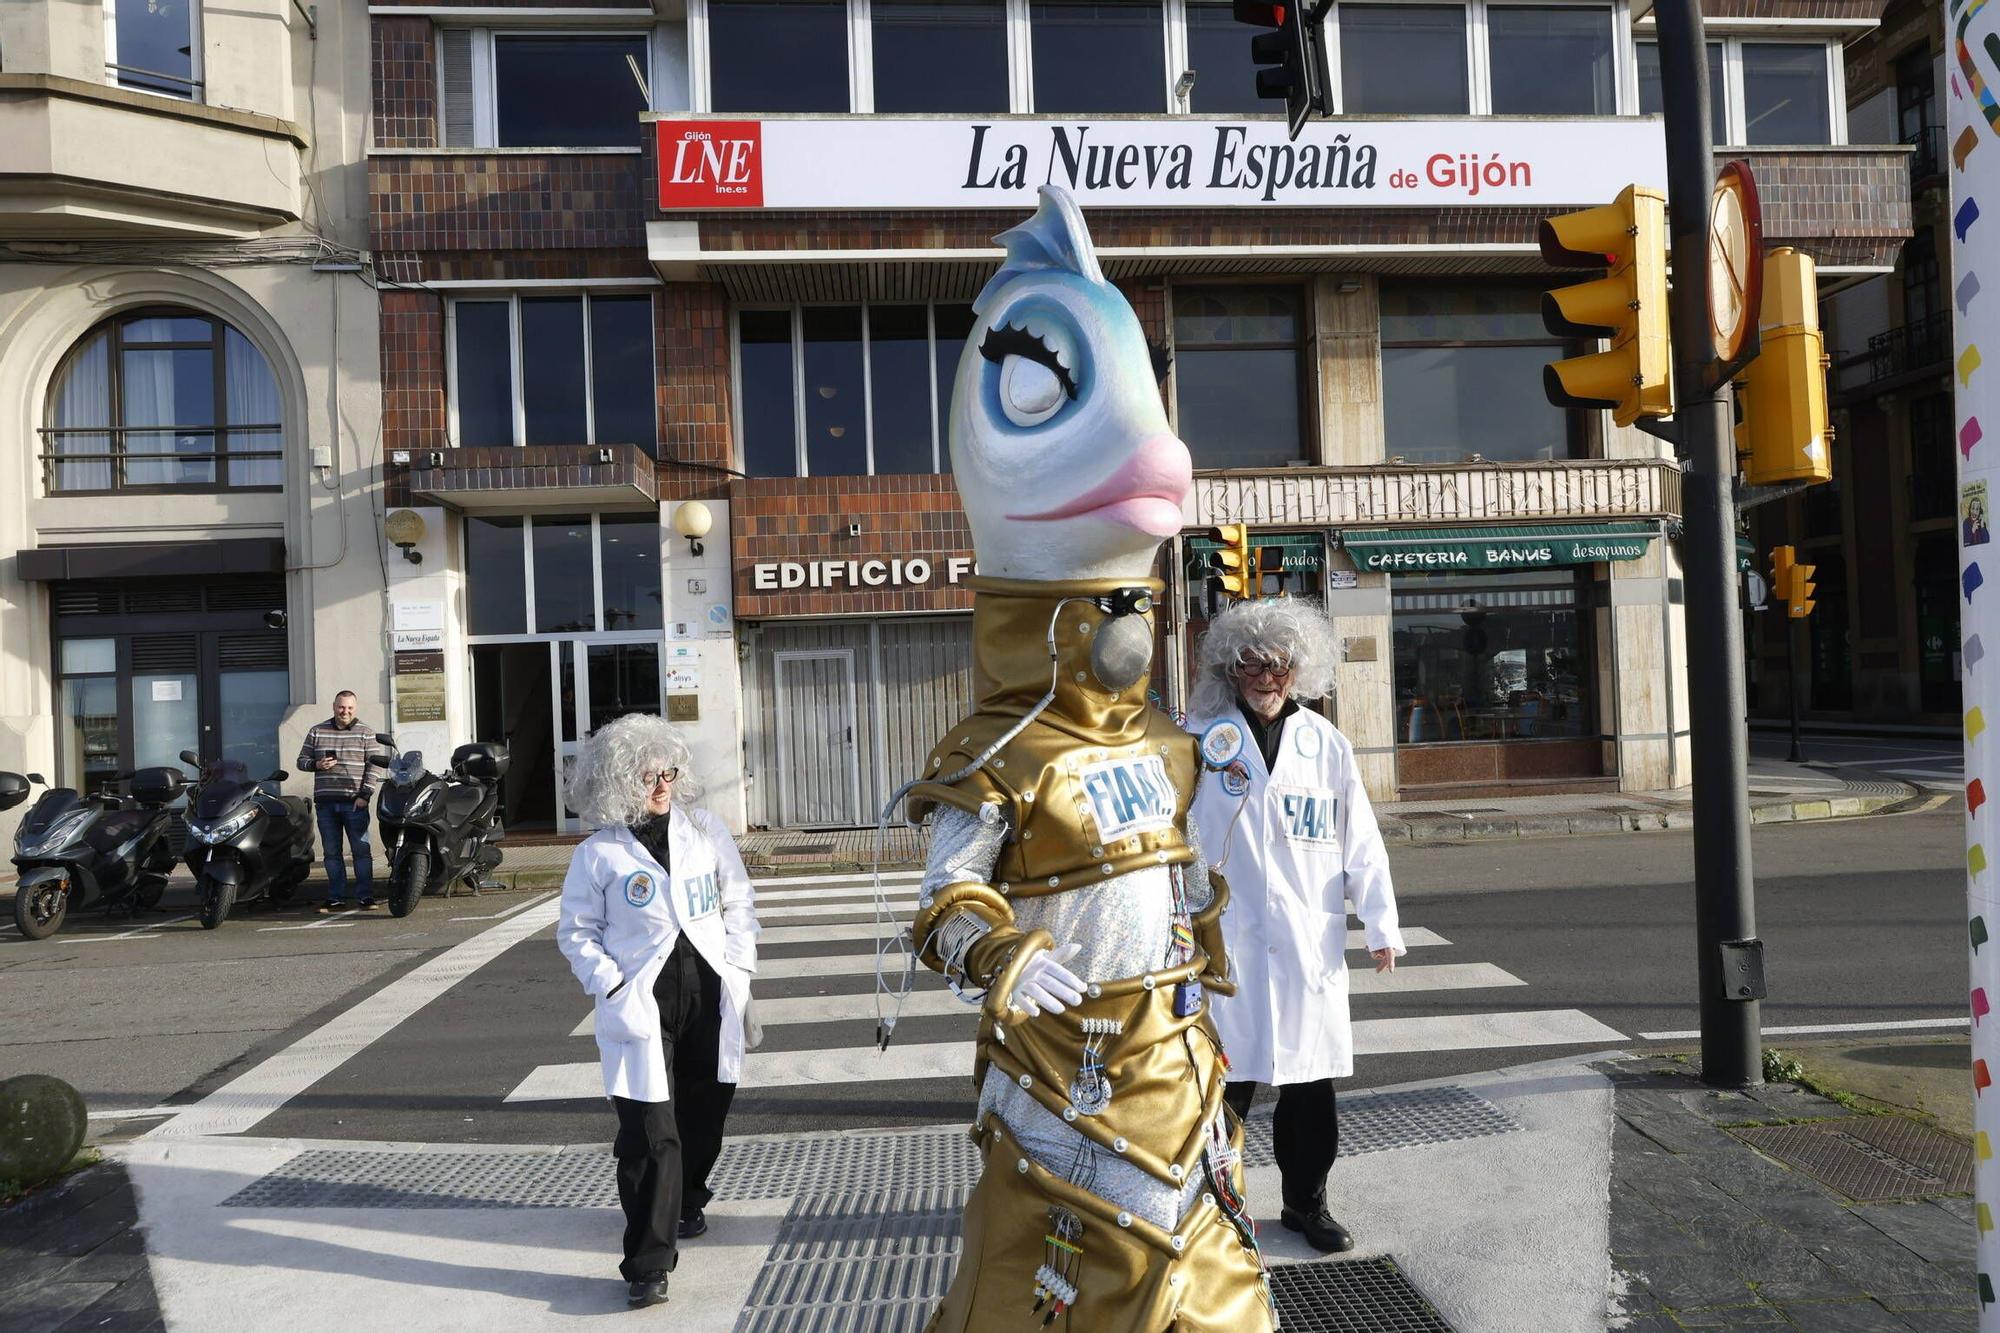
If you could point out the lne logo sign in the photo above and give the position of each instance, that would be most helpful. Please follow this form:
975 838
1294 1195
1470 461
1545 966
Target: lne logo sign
711 163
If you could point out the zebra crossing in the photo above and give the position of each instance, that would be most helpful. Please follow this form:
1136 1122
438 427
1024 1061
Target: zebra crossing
828 1038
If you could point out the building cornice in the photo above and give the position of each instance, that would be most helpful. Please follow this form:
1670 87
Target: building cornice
80 90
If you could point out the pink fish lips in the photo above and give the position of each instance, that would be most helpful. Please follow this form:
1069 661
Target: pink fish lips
1146 493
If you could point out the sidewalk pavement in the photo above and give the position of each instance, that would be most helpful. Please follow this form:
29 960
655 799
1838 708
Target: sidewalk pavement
1591 1192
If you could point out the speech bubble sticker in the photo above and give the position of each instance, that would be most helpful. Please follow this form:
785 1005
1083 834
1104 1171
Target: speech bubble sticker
1975 796
1967 215
1969 435
1976 928
1972 579
1975 722
1981 1081
1980 1008
1968 364
1975 858
1973 653
1983 1146
1968 287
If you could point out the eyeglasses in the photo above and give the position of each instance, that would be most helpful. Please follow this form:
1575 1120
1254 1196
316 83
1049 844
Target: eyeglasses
1259 667
662 778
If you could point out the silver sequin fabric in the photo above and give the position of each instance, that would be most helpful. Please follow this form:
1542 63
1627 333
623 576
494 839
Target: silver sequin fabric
1124 924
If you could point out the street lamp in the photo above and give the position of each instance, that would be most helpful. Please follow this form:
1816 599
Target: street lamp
692 521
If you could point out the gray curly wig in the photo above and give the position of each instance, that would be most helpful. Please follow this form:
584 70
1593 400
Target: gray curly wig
1287 627
604 787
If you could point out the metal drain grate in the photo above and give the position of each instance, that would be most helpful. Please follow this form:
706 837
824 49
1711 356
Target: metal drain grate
875 1261
334 1178
1351 1296
1381 1121
1870 1157
783 1168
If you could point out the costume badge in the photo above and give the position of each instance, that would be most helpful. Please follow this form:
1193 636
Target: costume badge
1234 780
639 888
1222 743
1308 741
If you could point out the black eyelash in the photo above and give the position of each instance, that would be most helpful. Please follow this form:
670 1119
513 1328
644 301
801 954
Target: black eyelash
1003 342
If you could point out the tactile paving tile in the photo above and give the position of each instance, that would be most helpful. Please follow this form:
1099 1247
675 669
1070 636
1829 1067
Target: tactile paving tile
848 1165
1351 1296
1870 1157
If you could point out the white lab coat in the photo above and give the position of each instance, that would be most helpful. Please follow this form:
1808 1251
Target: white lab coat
620 921
1303 846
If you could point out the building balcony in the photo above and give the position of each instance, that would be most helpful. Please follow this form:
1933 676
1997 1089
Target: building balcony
1386 493
86 160
510 478
1926 154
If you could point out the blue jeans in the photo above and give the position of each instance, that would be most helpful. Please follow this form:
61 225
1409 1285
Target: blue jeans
336 817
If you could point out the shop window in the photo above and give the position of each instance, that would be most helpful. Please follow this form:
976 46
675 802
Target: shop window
777 55
1403 60
87 740
1653 103
543 90
1462 377
590 573
847 390
154 45
1099 56
1239 379
1219 54
1785 97
554 370
164 400
1492 657
1554 61
939 56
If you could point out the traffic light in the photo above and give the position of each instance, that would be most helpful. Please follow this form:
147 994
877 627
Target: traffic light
1799 597
1783 560
1635 377
1239 576
1784 435
1297 73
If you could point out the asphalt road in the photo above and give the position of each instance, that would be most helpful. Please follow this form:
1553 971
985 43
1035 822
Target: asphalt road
1863 922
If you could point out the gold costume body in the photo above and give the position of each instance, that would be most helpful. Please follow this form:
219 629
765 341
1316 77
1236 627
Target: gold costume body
1164 1070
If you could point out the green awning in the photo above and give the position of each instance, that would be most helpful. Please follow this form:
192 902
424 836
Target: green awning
1529 546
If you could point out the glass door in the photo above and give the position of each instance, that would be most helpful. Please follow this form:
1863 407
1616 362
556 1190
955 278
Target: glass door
598 682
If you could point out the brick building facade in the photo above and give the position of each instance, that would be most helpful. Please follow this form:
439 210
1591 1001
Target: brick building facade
1356 375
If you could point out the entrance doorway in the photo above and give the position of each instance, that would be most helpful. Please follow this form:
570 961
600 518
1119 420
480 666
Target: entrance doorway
819 765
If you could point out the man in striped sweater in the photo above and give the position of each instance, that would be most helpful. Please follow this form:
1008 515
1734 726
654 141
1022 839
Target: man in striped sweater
336 754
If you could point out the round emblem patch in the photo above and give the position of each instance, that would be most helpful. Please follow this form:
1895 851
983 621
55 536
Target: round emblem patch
639 888
1221 743
1308 741
1234 780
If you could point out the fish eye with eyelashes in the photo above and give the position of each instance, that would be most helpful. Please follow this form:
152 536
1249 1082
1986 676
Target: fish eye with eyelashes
1034 383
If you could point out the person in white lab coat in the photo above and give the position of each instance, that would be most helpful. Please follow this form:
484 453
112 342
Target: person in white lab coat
659 923
1285 820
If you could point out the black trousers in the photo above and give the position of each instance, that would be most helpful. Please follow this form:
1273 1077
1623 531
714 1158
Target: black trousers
1305 1136
665 1150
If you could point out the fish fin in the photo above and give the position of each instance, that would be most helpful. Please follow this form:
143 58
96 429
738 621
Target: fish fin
1054 239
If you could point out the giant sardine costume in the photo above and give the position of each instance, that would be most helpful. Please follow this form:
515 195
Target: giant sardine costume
1111 1197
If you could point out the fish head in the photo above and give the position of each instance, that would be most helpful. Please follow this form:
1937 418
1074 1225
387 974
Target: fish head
1065 464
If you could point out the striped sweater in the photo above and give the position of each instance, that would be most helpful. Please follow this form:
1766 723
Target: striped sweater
350 778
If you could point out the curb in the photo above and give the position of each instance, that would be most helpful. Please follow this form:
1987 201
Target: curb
1439 827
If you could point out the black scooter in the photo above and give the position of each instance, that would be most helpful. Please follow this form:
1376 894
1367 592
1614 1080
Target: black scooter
437 829
81 851
245 843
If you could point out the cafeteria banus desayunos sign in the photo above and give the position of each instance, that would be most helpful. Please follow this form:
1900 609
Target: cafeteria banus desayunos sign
872 163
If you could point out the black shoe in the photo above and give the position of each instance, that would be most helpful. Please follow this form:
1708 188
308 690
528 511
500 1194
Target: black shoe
1320 1230
650 1290
692 1224
367 904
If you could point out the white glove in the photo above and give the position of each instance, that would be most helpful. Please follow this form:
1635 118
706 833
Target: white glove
1046 984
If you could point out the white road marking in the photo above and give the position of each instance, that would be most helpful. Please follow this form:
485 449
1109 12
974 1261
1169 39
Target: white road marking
903 906
244 1101
146 932
1807 1029
1479 1032
328 924
502 916
776 881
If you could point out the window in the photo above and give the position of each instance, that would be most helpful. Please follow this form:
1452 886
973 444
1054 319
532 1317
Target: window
1238 386
1651 102
1219 53
164 399
154 45
1462 375
1099 56
847 390
1553 61
1785 98
1403 60
87 747
1492 657
543 89
574 369
562 574
939 55
777 55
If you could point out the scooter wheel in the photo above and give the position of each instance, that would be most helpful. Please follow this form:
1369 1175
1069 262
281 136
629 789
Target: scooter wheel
408 884
39 910
147 896
217 897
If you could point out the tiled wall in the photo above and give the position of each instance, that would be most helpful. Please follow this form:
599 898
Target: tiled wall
555 201
804 519
405 92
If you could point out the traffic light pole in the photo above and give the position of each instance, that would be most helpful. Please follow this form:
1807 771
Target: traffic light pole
1731 978
1792 682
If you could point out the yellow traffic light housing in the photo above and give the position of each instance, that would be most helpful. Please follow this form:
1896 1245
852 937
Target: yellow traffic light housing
1782 560
1799 597
1239 577
1635 377
1784 435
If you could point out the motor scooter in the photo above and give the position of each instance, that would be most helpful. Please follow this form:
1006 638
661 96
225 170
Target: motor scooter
77 851
245 842
438 829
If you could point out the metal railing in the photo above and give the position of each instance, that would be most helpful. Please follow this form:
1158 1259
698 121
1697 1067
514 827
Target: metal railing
1910 348
85 460
1928 160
